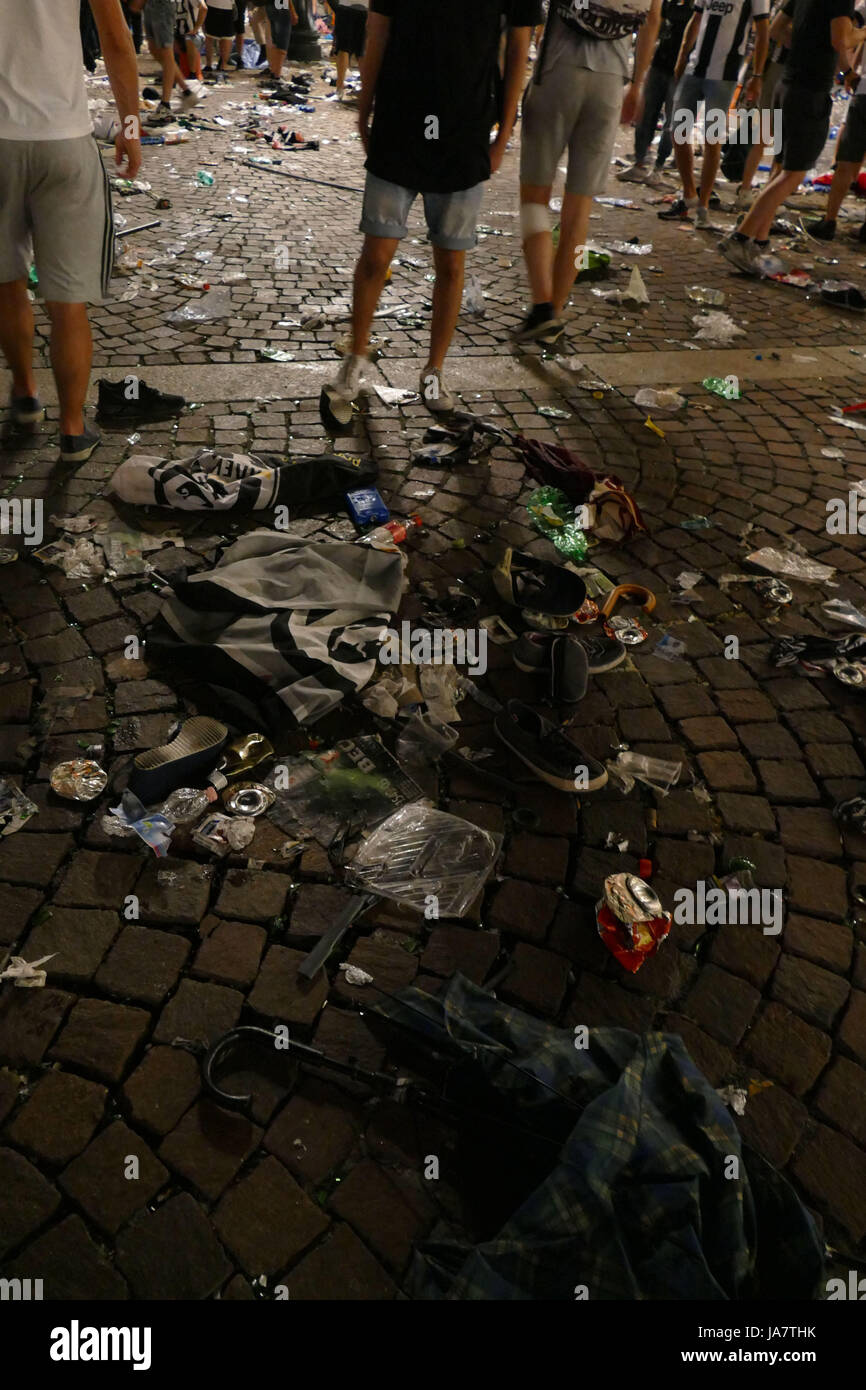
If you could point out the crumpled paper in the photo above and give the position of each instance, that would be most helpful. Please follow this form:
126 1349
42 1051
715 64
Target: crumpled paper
26 974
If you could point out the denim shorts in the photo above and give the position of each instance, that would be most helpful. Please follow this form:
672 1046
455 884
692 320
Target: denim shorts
714 92
280 20
452 218
160 17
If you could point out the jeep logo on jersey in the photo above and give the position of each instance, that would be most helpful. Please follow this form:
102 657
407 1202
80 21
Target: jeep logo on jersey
604 19
719 7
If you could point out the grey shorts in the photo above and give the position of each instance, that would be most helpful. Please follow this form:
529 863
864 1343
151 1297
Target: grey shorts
574 109
852 145
55 208
715 93
452 218
160 18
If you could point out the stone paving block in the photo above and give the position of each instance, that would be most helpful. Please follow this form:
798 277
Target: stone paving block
388 1218
249 895
523 909
841 1099
314 910
574 934
816 888
832 1172
786 780
811 831
768 859
752 815
684 861
597 1003
78 940
72 1268
594 865
679 812
727 772
17 906
451 948
773 1123
787 1049
817 995
315 1133
238 1290
143 965
537 980
746 951
100 1038
768 741
266 1220
347 1037
208 1147
628 820
172 1253
852 1029
340 1268
29 1019
541 858
280 993
98 880
99 1180
27 1200
709 733
834 760
10 1084
390 964
722 1004
24 859
202 1012
230 952
162 1087
745 706
175 893
830 944
59 1117
714 1059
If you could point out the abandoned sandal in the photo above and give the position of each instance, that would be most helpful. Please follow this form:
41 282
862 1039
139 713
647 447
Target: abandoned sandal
184 761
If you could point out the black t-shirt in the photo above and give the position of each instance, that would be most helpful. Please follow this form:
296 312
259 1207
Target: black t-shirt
675 16
812 59
434 105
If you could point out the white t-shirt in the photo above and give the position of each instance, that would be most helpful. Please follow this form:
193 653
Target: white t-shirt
42 92
723 36
222 4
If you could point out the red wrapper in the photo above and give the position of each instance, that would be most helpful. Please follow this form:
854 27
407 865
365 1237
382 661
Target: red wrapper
631 942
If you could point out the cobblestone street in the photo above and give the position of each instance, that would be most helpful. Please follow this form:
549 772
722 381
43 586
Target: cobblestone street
322 1191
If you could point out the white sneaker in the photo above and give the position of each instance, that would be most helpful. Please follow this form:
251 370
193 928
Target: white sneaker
434 393
189 99
741 254
654 179
702 216
635 174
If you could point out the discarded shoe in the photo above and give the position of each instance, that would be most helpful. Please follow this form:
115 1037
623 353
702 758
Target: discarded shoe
825 230
547 752
602 653
185 760
636 173
562 659
843 296
146 404
337 403
527 582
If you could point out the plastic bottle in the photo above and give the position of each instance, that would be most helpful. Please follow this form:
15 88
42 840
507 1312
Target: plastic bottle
204 178
393 533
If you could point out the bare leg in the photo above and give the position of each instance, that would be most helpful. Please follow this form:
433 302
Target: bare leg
685 162
710 171
16 335
370 273
538 249
276 58
573 231
208 51
759 218
844 176
165 58
342 61
71 353
447 297
225 54
750 169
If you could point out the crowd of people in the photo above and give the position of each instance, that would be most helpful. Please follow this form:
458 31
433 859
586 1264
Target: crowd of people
441 90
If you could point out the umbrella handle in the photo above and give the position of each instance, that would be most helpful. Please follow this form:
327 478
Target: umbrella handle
637 591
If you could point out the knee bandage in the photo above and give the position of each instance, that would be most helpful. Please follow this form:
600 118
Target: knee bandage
534 218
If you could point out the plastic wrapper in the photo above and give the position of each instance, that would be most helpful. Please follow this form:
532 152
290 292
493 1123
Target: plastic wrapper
185 804
701 294
15 808
216 304
26 974
419 854
423 740
340 791
841 610
80 779
224 834
150 826
78 559
715 327
554 516
658 773
792 566
665 400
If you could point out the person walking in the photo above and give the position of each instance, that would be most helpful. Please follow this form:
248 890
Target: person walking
659 95
55 203
821 40
428 80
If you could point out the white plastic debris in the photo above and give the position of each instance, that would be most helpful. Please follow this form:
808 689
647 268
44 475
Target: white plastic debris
716 327
665 400
793 566
26 974
355 975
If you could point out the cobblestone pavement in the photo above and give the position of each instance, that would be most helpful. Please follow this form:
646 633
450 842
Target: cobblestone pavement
323 1191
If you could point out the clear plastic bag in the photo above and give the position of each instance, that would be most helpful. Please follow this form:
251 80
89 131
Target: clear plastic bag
657 773
424 739
419 855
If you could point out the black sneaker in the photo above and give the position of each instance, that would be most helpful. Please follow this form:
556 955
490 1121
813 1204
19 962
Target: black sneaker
208 76
861 235
540 324
602 653
236 60
149 404
546 751
825 230
569 670
183 762
680 211
77 448
27 411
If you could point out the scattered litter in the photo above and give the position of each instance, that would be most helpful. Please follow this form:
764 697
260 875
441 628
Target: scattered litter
553 412
150 826
224 833
355 975
669 648
216 304
270 354
631 921
630 248
78 559
186 804
794 566
725 386
832 453
716 328
395 395
842 611
15 808
664 400
74 525
26 974
696 522
658 773
700 294
734 1097
80 779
